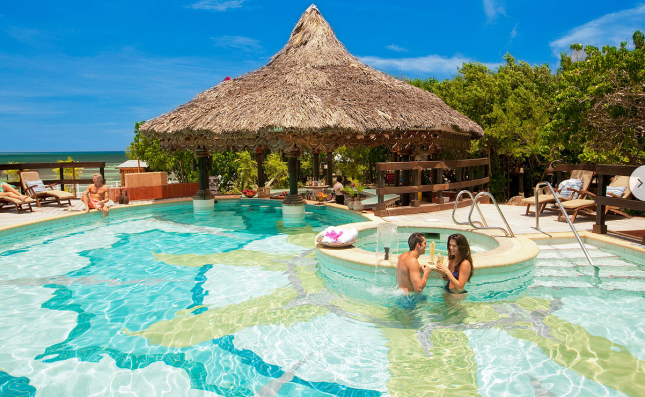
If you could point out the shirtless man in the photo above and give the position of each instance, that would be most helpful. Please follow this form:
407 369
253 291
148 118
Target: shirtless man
408 268
96 196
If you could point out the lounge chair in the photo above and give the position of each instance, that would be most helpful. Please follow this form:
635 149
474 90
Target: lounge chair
18 203
588 205
33 186
544 199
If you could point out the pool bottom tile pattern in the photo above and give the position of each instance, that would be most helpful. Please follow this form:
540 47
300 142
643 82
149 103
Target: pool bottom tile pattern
166 302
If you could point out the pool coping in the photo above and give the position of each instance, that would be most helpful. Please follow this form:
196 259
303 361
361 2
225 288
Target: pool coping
511 254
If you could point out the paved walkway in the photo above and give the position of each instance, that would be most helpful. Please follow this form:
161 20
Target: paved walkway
520 223
523 224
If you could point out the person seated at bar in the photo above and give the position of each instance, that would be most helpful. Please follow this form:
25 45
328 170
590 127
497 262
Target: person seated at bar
6 190
96 196
459 269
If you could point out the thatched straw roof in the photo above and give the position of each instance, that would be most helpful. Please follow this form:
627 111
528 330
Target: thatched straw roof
312 93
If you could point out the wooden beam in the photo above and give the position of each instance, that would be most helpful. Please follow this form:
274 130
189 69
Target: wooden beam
431 188
621 203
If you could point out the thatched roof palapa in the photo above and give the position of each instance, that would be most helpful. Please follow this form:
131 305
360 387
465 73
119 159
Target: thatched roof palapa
313 94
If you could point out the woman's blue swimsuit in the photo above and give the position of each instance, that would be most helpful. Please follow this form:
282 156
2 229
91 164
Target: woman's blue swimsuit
455 274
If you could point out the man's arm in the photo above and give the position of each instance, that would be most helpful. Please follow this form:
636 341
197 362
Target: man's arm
418 282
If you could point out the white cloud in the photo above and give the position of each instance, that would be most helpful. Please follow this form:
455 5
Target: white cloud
514 32
243 43
491 9
396 48
434 64
609 29
217 5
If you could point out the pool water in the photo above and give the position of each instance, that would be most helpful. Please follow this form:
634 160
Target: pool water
165 302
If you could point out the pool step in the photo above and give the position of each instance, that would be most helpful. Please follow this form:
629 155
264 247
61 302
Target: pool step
566 266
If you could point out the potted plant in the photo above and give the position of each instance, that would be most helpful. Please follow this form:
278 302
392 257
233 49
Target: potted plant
354 204
321 198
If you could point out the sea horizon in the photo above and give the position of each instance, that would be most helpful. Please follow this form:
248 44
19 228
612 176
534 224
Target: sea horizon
110 158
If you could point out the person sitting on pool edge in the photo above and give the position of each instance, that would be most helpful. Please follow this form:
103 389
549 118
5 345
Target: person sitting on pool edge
459 270
96 196
408 269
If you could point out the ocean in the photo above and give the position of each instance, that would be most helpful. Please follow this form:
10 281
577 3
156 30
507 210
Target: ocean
111 159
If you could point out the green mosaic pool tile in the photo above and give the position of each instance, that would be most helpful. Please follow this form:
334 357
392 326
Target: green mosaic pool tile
448 369
534 304
184 331
311 281
240 257
593 357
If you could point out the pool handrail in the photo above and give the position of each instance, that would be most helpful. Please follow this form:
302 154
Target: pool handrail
478 210
508 233
573 229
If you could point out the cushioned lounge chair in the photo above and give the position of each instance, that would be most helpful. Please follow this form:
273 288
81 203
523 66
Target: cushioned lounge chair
18 203
589 205
33 187
544 199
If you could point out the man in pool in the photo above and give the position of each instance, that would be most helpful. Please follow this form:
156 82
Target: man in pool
408 268
96 196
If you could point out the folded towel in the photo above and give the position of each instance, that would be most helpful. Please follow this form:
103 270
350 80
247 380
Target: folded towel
348 236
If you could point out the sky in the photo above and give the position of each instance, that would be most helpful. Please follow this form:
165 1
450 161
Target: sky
77 75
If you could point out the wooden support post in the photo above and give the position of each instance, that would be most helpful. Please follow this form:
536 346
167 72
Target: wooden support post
471 176
381 184
330 169
437 178
600 227
259 159
61 172
292 155
397 173
405 157
202 160
417 182
316 171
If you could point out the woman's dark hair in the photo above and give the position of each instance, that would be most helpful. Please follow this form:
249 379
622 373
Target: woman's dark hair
463 252
415 238
339 179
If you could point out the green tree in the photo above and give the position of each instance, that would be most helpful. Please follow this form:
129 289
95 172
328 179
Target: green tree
600 103
512 104
276 169
224 165
247 171
149 150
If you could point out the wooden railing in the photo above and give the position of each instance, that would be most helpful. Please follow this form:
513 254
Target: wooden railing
604 172
474 170
61 166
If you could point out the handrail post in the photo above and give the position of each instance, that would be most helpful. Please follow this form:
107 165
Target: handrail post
564 212
484 224
470 214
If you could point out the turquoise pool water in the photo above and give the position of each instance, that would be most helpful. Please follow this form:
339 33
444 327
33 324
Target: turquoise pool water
165 302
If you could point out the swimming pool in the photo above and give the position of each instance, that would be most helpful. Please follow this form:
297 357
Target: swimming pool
164 301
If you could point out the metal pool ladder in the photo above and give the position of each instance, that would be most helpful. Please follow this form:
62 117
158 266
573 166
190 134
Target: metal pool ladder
573 229
508 233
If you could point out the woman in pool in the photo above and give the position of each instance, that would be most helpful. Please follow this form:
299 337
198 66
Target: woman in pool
460 265
6 190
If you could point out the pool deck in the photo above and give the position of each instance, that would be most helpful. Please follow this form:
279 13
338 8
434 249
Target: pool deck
520 223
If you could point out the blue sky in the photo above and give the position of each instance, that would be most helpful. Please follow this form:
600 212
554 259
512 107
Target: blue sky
77 75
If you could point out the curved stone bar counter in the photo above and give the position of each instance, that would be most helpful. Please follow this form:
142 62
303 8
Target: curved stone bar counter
503 265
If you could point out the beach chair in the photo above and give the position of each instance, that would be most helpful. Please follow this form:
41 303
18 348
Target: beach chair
547 198
17 203
618 184
33 187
